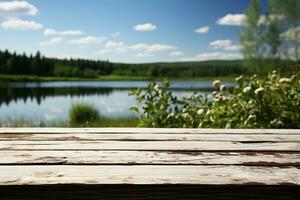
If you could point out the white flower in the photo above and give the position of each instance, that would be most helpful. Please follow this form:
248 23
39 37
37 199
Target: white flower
277 122
200 111
293 77
285 80
250 101
252 117
171 115
216 83
247 89
223 87
185 115
259 90
156 87
239 78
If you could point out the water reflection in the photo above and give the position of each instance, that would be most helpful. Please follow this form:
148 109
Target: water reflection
14 94
49 101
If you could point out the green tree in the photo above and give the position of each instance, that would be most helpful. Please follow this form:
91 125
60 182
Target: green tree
36 64
251 37
283 30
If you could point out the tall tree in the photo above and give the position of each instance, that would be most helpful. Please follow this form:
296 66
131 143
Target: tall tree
287 16
251 37
36 64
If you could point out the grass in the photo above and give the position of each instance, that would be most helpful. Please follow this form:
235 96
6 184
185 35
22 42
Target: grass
83 113
27 78
102 122
112 122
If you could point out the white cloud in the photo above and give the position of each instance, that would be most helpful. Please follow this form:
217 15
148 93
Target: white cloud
51 32
16 8
217 44
139 46
89 40
113 47
19 24
292 34
153 47
233 48
71 32
74 56
104 51
48 32
188 59
263 20
52 41
232 19
160 47
111 51
290 54
112 44
116 34
203 29
144 55
225 45
145 27
176 53
219 56
239 19
120 49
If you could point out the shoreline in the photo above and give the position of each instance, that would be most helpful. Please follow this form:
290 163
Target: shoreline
32 78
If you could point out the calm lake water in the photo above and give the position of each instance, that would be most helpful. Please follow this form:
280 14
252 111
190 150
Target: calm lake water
50 101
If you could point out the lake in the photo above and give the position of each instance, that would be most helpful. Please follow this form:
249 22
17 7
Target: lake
49 102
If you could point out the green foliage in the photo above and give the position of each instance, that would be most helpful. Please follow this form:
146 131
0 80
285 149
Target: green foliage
40 66
273 102
251 37
268 39
103 122
82 114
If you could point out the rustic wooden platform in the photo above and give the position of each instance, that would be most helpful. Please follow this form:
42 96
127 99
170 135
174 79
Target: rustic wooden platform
152 158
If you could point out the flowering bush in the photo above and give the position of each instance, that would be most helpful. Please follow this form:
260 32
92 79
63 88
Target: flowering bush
272 102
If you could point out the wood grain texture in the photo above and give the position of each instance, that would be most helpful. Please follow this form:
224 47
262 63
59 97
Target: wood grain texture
150 130
148 158
203 175
149 137
150 146
51 156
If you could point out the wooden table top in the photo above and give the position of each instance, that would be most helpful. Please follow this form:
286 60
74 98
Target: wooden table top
46 156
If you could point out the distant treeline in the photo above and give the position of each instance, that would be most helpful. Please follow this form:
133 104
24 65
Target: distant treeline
12 63
15 64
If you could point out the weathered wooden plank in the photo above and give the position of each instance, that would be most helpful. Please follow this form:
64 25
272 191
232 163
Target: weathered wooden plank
153 145
149 137
149 130
207 175
148 158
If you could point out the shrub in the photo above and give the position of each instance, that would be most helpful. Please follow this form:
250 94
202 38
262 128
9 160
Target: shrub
272 102
83 114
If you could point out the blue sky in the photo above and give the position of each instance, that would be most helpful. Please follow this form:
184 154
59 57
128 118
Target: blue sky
131 31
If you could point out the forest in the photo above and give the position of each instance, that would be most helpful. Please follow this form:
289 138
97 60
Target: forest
15 64
38 65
